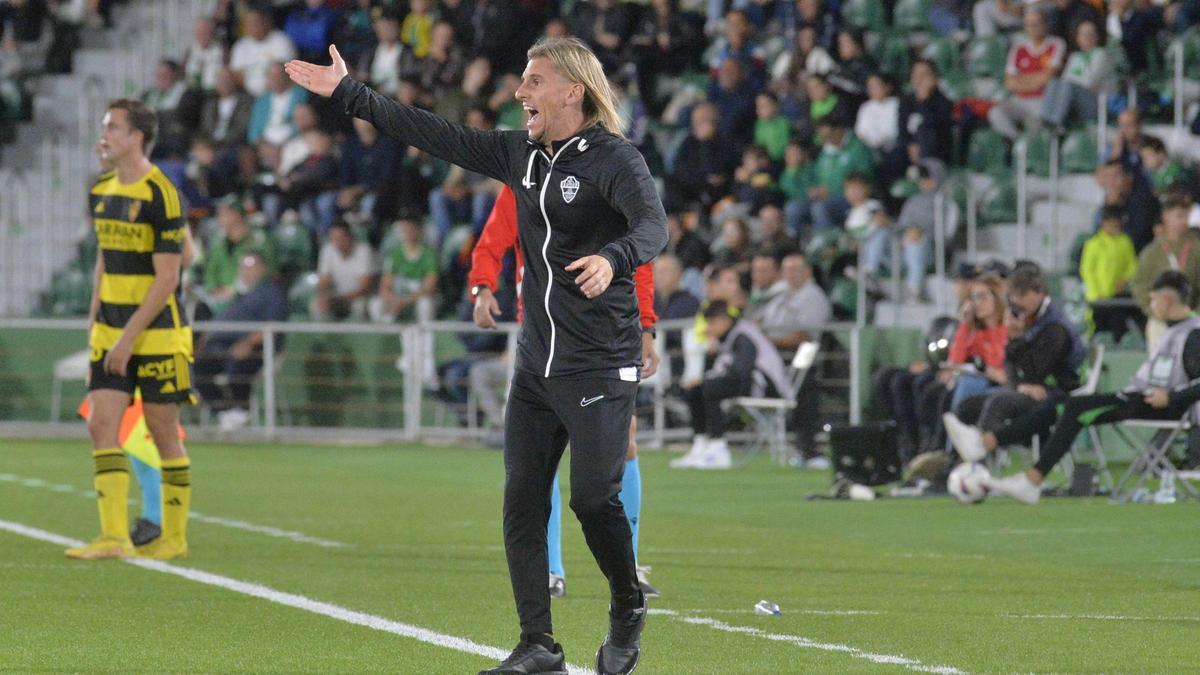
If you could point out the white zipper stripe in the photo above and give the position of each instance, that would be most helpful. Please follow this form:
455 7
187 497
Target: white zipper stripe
545 246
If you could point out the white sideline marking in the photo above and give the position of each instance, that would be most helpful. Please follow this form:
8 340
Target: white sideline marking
813 612
1052 530
290 535
808 643
292 600
1100 617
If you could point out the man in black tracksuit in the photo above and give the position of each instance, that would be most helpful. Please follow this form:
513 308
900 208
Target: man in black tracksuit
588 214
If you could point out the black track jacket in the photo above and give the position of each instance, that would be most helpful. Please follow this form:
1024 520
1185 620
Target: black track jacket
593 195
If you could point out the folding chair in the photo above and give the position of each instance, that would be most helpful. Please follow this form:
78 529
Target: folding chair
769 415
1153 459
1090 384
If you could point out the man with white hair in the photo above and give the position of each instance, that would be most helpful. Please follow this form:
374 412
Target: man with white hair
589 214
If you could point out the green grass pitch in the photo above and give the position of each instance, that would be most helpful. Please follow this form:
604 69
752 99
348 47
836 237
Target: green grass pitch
1072 585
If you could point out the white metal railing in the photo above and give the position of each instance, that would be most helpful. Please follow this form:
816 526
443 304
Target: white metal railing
412 402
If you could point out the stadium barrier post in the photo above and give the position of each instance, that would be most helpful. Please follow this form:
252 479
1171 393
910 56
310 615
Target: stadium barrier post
1101 124
411 339
939 244
1054 197
855 372
1021 151
972 222
269 381
1177 50
895 281
860 303
660 389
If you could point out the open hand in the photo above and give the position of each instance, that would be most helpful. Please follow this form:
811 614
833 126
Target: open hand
595 275
321 80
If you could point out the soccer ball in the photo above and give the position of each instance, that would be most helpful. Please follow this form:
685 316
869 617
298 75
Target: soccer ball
968 482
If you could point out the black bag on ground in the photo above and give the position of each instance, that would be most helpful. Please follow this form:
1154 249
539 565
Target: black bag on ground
865 454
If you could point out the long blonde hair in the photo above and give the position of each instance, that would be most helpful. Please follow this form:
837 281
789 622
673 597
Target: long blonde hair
576 62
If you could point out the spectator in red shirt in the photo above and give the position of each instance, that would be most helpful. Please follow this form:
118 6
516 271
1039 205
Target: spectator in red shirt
1034 60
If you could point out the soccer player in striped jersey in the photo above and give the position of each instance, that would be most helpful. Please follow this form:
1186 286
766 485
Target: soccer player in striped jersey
139 337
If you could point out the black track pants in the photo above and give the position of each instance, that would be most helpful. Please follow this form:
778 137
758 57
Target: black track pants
543 415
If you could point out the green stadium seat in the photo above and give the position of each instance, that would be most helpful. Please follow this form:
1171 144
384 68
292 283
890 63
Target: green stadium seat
987 56
957 184
987 153
1133 340
844 296
864 14
301 293
1037 153
893 56
911 16
943 52
957 85
1079 151
999 203
904 188
70 293
293 248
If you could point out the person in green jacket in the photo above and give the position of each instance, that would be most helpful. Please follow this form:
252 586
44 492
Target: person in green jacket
1107 267
1176 247
771 130
1164 171
841 155
225 252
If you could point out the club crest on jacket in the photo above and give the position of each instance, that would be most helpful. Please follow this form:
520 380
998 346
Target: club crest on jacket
570 187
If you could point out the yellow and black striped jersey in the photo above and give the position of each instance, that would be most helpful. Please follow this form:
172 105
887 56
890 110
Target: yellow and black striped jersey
133 222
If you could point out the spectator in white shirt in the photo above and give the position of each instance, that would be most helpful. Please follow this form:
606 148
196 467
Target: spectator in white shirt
1088 70
793 315
878 123
260 48
205 57
344 269
380 66
273 112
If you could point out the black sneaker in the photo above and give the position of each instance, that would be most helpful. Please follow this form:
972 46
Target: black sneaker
528 658
144 532
619 653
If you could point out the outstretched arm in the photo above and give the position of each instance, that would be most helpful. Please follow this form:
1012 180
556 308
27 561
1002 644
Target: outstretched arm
484 152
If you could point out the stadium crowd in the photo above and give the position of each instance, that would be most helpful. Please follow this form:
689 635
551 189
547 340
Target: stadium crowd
795 142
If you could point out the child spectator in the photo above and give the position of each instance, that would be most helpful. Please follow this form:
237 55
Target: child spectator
1163 170
772 130
417 27
1107 267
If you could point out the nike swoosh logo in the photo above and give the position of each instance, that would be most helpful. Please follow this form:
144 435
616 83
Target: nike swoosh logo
585 402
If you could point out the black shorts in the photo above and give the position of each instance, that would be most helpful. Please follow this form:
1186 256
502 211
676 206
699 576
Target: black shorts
163 378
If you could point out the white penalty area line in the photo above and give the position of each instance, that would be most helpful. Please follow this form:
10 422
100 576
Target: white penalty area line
290 535
808 643
293 600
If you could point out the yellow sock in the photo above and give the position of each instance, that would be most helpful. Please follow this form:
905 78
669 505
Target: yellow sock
177 498
112 491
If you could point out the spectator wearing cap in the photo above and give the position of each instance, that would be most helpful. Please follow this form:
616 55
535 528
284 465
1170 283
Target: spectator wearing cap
256 52
225 117
841 154
344 270
225 253
1033 61
238 356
